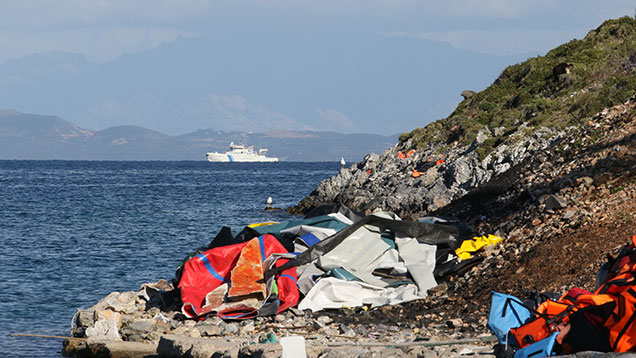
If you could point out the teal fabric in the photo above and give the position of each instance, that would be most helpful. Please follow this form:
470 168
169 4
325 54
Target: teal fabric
389 238
325 221
339 272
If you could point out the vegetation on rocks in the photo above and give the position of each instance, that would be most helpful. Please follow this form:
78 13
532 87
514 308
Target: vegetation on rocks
566 87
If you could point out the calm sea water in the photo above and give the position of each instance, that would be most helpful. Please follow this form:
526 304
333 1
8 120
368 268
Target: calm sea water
73 231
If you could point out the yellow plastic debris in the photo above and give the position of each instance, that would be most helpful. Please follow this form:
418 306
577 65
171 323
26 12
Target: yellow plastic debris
262 224
474 245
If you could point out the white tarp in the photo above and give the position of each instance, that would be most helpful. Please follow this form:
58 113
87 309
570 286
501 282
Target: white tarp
361 253
331 292
357 252
419 260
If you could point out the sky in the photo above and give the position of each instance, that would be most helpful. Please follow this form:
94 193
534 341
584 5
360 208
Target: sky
106 29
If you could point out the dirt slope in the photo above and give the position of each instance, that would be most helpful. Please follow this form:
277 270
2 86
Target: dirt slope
549 245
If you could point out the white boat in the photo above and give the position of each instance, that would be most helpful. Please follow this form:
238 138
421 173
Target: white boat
241 153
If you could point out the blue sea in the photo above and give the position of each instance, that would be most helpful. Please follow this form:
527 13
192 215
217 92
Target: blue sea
73 231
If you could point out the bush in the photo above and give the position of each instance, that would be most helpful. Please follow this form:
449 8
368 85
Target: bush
486 106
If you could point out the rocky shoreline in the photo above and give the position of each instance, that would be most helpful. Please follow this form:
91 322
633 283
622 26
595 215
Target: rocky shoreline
386 182
575 184
139 324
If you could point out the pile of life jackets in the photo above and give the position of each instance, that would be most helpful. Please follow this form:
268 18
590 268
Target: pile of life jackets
577 321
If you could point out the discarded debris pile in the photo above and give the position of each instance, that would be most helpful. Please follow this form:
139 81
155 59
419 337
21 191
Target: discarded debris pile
331 259
577 321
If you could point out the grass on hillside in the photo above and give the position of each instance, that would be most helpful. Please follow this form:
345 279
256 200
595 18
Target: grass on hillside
602 73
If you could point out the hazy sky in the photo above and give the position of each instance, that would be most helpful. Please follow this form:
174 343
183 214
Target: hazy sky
104 29
271 64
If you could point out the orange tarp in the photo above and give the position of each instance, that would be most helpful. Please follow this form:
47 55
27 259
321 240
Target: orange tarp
248 275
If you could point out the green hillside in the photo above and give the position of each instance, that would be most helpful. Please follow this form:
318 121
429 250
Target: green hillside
566 87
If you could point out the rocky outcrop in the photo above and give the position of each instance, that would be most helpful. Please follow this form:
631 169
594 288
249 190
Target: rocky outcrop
468 94
144 323
426 180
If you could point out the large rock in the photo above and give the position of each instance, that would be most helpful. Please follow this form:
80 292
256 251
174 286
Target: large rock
113 349
103 330
460 171
555 202
482 135
124 302
467 94
144 329
174 346
85 318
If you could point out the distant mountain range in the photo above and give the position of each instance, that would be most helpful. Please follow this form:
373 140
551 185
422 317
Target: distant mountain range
38 137
354 83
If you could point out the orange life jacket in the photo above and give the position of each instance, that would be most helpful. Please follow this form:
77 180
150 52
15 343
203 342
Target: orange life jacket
622 273
621 325
611 310
550 314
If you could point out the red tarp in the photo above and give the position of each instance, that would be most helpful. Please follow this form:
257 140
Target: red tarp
209 270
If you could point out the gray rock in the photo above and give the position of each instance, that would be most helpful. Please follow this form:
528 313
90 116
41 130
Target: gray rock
215 320
438 290
144 329
501 153
569 214
468 94
103 330
85 318
229 328
296 312
501 168
344 352
344 176
145 325
390 187
347 331
518 153
325 319
161 317
317 325
587 181
173 346
249 327
454 323
371 158
209 330
466 352
125 302
78 348
482 135
268 350
553 202
460 171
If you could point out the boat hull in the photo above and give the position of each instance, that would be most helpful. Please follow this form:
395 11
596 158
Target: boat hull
227 157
